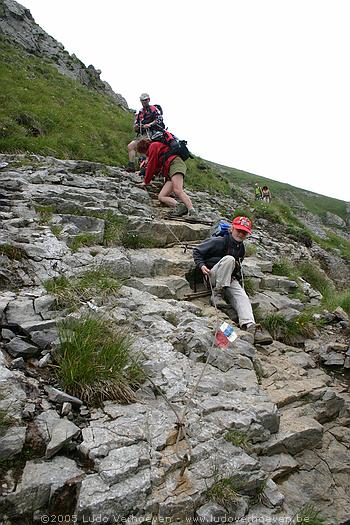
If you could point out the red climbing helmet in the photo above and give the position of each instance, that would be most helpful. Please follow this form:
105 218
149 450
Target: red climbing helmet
242 223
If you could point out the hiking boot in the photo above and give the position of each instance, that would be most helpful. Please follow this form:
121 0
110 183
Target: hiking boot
130 167
261 337
179 211
217 299
192 215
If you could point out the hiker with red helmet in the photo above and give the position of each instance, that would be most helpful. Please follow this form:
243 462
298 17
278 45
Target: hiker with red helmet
173 169
220 258
148 120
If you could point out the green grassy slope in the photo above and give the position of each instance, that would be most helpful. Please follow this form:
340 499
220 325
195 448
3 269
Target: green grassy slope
313 202
44 112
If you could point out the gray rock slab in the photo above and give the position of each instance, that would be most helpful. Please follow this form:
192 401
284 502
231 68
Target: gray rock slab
277 282
164 287
210 513
44 338
86 224
176 231
12 441
115 259
272 495
21 310
60 397
123 462
18 347
160 261
295 434
40 482
61 433
97 498
278 465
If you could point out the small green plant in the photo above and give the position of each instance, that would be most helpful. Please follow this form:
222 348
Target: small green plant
6 422
258 497
308 514
12 252
45 213
57 285
172 318
316 278
268 211
72 292
82 239
224 491
114 226
334 299
283 267
289 331
94 362
335 243
101 280
249 286
135 241
56 229
250 249
242 212
300 234
297 293
239 439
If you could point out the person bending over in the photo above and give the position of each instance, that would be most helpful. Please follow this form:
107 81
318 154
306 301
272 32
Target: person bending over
173 169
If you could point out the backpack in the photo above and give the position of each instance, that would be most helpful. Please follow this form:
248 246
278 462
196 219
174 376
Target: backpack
177 147
159 108
221 229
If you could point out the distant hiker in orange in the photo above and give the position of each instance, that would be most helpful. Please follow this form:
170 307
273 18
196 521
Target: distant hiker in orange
265 194
148 120
173 169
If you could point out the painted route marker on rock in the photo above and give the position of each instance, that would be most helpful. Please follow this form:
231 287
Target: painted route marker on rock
225 335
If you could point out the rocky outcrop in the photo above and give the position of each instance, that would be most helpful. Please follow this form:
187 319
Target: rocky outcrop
18 25
260 422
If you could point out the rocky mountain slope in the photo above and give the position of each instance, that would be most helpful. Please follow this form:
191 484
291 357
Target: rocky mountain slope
208 433
18 25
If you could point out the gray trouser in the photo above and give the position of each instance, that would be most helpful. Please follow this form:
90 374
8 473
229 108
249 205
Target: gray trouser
221 276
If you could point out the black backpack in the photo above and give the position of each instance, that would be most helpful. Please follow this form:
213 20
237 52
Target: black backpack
176 146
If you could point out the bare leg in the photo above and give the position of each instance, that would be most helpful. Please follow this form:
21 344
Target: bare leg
177 181
132 151
164 195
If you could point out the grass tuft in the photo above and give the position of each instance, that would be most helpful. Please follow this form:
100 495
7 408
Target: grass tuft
283 267
12 252
224 491
135 241
45 213
6 422
82 239
249 286
304 325
308 514
239 439
94 362
71 293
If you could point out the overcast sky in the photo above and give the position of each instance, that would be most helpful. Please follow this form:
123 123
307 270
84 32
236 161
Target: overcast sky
259 85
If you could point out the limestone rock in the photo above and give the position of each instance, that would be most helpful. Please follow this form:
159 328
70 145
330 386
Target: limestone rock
40 482
295 434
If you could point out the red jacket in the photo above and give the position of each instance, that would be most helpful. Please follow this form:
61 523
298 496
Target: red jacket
155 161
